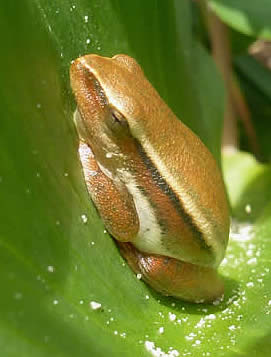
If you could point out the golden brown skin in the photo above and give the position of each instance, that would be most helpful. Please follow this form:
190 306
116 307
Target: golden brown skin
174 277
153 181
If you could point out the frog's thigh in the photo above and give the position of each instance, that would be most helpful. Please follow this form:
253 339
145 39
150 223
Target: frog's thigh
116 207
173 277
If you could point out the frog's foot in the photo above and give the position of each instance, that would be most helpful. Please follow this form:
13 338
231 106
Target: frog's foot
173 277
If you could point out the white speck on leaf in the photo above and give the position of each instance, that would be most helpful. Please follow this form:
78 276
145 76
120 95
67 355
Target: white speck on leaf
95 305
171 316
161 330
248 209
51 268
84 218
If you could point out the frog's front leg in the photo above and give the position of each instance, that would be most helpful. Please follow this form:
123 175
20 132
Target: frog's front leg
114 204
174 277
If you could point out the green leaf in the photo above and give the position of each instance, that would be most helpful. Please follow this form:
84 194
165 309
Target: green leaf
256 85
210 98
249 253
256 73
55 257
249 17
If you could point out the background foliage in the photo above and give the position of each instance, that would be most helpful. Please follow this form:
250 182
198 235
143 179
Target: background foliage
55 256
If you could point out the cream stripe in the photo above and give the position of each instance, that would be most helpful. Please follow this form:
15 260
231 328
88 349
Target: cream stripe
149 238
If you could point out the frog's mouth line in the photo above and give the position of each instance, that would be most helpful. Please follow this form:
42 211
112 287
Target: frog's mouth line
79 124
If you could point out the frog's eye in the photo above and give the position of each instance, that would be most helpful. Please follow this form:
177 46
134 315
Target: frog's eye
117 117
117 122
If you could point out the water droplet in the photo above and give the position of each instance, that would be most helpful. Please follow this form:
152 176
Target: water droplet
95 305
84 218
51 268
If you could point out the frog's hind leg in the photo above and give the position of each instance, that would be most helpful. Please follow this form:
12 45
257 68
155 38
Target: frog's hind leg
173 277
114 204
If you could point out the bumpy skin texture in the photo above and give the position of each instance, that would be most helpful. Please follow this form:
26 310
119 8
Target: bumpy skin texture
174 277
152 180
115 205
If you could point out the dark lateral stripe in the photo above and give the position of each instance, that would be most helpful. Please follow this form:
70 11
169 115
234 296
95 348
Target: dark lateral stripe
167 190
